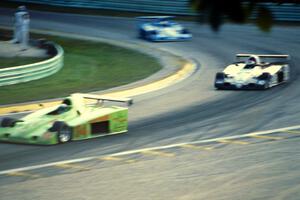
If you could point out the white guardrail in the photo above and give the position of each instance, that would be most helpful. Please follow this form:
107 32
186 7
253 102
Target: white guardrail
25 73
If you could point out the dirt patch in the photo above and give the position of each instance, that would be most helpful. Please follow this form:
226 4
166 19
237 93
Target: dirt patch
10 50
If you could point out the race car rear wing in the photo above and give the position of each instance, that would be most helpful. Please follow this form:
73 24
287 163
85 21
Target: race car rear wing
263 55
128 101
154 18
147 19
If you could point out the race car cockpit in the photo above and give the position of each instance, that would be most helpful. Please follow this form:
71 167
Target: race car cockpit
62 108
250 63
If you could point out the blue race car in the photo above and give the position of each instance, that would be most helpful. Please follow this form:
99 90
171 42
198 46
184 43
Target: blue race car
161 28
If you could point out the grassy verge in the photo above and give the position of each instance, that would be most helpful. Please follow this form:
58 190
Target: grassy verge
16 61
89 66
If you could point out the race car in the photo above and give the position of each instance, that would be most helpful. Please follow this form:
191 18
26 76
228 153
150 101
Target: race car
254 73
161 28
79 116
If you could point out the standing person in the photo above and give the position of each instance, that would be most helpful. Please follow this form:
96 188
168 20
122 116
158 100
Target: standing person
24 28
17 26
21 31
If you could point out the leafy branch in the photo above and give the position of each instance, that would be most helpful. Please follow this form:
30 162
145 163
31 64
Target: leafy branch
217 12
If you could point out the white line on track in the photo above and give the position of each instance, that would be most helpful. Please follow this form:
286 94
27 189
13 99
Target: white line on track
148 149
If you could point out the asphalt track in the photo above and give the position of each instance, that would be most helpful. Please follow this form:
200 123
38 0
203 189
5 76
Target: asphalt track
193 109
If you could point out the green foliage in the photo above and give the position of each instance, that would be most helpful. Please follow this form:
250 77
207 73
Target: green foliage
237 11
217 9
264 19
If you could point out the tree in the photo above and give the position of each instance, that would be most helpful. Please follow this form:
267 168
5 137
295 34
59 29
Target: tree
216 12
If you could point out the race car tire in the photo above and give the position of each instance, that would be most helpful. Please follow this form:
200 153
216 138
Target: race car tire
185 31
267 85
142 34
8 122
151 36
267 78
219 76
64 132
280 77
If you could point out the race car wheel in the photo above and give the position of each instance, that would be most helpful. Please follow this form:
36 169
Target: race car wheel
220 76
142 34
64 132
267 85
185 31
280 77
267 78
8 122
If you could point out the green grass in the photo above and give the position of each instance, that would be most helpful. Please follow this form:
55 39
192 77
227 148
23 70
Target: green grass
16 61
89 66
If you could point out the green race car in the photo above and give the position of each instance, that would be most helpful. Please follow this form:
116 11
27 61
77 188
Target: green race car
79 116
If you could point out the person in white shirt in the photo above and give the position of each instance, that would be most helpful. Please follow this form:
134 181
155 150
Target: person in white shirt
21 22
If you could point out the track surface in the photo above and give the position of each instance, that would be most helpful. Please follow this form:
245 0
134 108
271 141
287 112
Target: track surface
188 111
